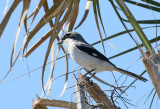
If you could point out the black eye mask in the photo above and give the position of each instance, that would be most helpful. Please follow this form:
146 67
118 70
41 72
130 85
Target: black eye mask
68 35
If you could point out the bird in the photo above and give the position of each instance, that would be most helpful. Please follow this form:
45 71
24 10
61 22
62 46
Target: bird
90 58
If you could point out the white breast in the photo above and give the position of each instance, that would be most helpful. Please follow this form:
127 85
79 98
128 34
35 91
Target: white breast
86 61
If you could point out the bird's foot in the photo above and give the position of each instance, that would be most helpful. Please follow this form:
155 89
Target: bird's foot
92 75
89 72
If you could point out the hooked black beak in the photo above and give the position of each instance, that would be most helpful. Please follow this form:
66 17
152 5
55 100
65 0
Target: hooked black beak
60 42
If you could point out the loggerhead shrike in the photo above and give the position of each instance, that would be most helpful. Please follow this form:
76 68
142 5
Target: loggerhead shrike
90 58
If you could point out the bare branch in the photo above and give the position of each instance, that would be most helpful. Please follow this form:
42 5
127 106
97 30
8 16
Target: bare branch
96 93
40 103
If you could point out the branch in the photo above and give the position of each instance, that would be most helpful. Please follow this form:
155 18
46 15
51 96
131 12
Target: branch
40 103
81 97
152 65
96 93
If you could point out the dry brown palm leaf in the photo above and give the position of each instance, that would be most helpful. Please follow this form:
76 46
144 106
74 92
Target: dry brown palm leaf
55 34
52 68
35 12
46 8
57 2
88 5
69 17
50 80
5 9
15 58
96 18
56 10
42 3
47 17
26 4
60 24
99 14
75 14
66 81
38 43
8 15
25 24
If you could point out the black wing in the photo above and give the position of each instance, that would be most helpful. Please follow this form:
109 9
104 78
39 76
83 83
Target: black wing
93 52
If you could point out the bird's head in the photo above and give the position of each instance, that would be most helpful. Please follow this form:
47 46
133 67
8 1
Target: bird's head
71 36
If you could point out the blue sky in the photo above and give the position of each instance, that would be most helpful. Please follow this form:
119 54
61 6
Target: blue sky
19 93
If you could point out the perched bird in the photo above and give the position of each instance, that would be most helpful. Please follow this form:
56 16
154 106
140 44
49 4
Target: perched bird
88 57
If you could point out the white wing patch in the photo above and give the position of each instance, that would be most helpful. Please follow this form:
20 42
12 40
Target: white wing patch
94 54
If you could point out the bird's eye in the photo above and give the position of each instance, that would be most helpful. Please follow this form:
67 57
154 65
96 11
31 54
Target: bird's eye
71 36
65 37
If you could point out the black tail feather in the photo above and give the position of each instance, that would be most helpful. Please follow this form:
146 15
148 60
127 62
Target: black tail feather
131 74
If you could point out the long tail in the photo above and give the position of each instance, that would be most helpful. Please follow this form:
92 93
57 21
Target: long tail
131 74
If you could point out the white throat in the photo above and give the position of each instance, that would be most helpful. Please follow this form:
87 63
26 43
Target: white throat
66 42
